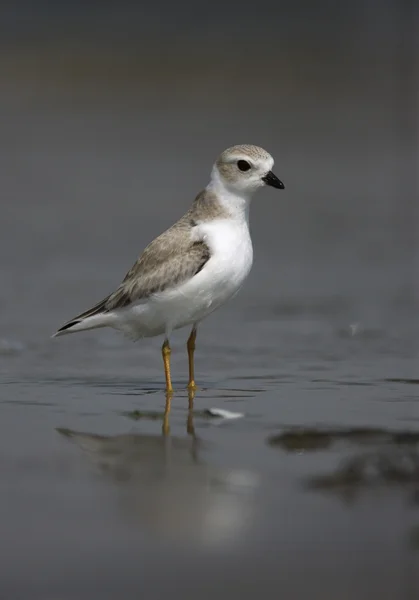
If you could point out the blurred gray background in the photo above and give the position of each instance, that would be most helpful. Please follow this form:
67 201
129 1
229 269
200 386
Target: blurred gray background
112 114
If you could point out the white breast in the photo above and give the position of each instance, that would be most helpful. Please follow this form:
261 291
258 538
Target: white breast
231 256
230 262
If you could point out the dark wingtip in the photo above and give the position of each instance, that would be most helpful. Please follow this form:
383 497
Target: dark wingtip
68 325
65 327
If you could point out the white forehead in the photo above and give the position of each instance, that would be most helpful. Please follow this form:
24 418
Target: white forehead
256 154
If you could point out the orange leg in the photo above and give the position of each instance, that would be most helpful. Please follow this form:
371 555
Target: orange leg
191 349
166 351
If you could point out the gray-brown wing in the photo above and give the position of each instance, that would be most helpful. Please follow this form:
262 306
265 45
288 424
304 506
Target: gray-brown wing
168 261
171 258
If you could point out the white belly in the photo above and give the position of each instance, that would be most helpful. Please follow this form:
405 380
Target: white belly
220 279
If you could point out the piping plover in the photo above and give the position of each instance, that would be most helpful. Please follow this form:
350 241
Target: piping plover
195 266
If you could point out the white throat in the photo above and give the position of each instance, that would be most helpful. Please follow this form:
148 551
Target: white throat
236 202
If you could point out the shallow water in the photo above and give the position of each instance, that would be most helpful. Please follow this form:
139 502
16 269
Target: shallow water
314 492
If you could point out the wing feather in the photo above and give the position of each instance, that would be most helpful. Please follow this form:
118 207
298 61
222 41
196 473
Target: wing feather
170 259
159 269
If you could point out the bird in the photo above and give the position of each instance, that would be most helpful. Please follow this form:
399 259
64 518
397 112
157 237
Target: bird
193 267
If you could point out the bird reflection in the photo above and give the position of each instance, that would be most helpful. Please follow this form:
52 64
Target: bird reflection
165 485
189 424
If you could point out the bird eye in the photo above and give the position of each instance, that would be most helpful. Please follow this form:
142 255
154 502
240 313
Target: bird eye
243 165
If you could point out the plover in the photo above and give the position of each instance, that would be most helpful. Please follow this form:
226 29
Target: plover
195 266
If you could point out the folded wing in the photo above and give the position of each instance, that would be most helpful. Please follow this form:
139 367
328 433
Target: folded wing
170 259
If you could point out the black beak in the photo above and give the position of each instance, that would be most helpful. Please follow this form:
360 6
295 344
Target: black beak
272 180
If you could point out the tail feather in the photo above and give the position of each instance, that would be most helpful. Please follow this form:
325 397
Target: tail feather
91 319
